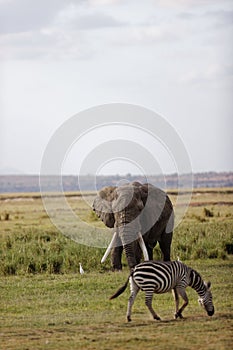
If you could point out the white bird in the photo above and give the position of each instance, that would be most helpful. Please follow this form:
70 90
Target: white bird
81 269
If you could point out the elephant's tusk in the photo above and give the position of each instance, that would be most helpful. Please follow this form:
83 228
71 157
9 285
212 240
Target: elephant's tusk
109 248
143 246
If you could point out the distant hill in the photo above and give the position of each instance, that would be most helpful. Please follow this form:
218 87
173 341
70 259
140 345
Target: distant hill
30 183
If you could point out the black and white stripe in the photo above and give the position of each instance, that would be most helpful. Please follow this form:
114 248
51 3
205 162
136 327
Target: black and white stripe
160 277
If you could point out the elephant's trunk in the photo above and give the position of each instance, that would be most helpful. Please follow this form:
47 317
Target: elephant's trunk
132 241
128 232
130 255
133 251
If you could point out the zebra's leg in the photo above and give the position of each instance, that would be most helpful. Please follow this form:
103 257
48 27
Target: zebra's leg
176 299
148 302
183 295
134 289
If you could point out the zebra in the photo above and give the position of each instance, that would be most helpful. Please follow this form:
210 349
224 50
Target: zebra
162 276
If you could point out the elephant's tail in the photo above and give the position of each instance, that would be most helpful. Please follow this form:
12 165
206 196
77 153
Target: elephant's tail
122 289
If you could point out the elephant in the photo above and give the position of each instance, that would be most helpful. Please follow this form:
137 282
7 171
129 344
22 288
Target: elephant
141 215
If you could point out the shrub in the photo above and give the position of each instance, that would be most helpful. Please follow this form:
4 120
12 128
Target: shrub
213 253
7 216
31 267
55 265
229 248
208 213
47 251
9 269
200 253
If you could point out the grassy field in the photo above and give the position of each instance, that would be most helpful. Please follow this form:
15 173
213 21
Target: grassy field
46 304
72 311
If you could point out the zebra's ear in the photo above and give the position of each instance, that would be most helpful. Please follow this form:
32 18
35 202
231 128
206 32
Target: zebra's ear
208 285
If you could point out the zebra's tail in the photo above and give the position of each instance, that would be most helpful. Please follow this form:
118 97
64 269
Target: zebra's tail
121 290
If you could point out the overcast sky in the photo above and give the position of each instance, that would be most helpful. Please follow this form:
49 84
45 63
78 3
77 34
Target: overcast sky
59 57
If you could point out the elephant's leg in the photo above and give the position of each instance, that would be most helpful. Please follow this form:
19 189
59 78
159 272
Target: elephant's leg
116 255
165 245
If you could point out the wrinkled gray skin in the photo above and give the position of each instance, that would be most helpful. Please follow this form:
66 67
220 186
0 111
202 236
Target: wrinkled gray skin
132 208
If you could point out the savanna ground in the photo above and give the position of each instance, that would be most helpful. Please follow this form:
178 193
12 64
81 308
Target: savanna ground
46 304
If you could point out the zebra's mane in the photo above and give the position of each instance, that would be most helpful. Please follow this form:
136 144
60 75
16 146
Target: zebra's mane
196 280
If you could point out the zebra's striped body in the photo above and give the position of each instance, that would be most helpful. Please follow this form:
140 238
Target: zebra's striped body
160 277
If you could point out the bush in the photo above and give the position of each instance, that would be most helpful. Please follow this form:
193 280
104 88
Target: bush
55 265
9 269
47 251
199 253
31 267
202 240
229 248
208 213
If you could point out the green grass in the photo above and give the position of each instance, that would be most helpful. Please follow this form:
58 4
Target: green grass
72 311
48 251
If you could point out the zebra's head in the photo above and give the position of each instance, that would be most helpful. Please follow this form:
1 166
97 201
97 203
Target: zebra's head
206 300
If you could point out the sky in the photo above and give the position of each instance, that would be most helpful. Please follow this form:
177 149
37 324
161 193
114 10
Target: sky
61 57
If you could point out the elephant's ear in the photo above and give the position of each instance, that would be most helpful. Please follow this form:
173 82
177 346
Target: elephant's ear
102 205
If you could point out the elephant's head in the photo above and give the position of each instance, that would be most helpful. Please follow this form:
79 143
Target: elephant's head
120 207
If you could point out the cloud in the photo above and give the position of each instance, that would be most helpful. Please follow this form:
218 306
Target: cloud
220 17
217 71
47 44
63 29
187 15
96 21
185 3
26 15
103 2
74 17
215 74
50 29
144 36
